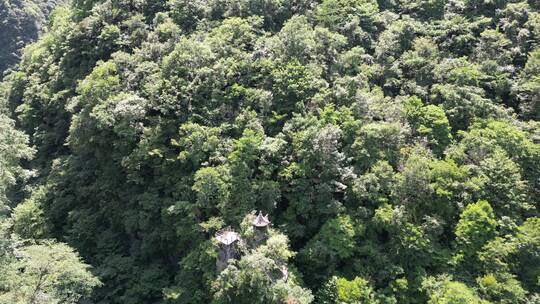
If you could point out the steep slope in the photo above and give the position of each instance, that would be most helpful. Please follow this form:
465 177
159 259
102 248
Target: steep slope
22 21
395 146
33 267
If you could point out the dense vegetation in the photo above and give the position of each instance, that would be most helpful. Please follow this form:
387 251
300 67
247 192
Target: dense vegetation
33 269
22 21
395 145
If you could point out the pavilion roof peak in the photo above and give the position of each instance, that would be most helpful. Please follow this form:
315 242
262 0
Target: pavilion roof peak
227 236
261 220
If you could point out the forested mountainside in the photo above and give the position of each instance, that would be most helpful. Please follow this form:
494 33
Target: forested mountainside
394 146
21 21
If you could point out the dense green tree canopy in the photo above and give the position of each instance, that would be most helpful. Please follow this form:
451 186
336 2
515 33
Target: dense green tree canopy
22 22
394 145
32 269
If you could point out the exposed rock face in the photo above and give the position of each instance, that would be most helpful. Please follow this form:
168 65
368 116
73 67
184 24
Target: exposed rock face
230 241
228 247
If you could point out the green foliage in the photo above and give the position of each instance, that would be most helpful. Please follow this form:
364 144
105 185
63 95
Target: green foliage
528 88
355 291
32 270
515 254
258 276
338 235
501 288
13 148
352 18
445 291
334 244
190 286
528 246
341 290
295 85
476 225
379 141
28 217
45 273
22 22
430 121
364 129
